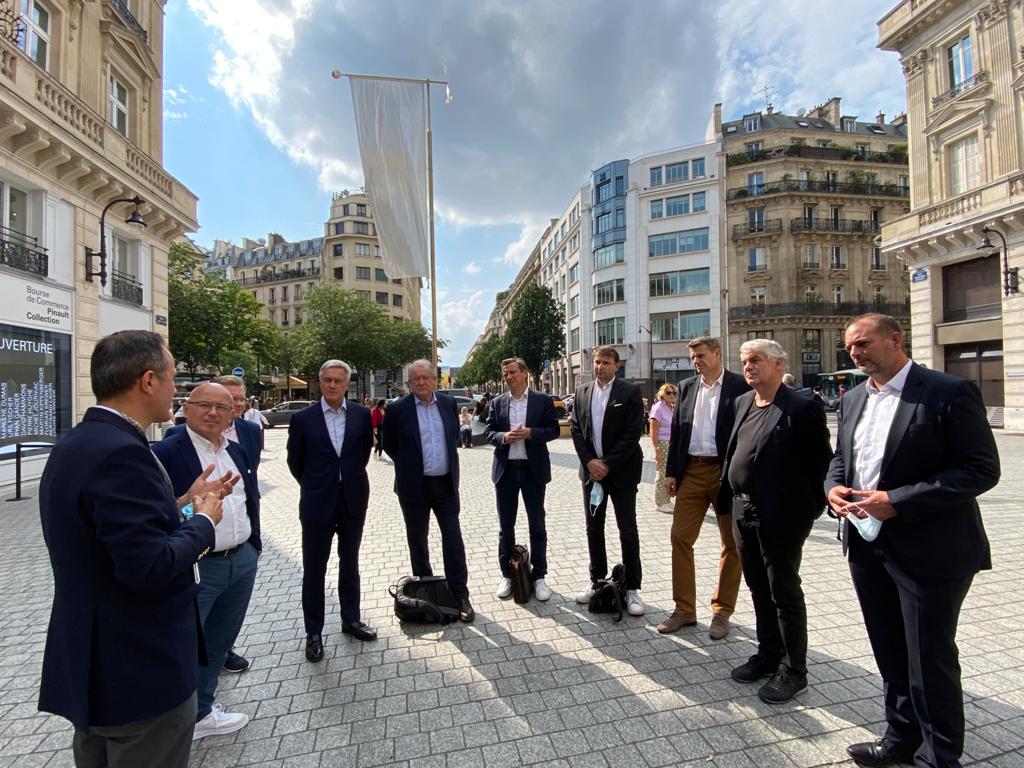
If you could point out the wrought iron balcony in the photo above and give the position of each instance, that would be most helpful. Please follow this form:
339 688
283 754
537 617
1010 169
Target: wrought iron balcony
816 308
125 287
273 277
23 252
121 6
895 156
852 226
787 186
968 84
758 267
753 229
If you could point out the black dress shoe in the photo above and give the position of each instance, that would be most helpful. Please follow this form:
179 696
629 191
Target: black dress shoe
235 663
782 687
359 630
314 647
880 753
754 669
466 612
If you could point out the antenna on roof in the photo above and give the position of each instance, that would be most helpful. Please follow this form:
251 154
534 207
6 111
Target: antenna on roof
801 112
768 91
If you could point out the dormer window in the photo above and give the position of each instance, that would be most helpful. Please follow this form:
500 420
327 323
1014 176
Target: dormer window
849 124
753 123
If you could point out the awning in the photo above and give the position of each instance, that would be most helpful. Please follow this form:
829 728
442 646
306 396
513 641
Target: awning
296 383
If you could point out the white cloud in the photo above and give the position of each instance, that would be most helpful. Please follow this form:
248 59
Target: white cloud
170 114
472 268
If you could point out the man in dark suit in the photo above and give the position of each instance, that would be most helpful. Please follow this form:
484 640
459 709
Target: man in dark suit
701 425
775 464
228 573
607 422
421 435
521 423
329 446
914 450
123 646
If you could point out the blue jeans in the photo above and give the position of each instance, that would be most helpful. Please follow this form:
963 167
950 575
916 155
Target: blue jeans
225 586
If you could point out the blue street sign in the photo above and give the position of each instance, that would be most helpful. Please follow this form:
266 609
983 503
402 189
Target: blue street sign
238 371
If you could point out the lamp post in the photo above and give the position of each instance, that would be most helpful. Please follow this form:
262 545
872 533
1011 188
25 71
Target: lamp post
1010 276
90 254
650 357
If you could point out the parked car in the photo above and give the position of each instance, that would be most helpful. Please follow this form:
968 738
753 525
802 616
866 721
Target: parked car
281 414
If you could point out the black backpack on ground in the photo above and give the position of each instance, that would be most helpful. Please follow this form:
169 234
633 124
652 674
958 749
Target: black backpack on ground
610 594
519 564
424 600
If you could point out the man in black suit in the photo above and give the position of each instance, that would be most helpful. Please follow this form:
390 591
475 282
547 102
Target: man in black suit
329 444
775 464
607 422
421 435
914 451
123 646
701 426
521 423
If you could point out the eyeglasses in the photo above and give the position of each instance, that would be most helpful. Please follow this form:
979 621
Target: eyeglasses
670 392
205 405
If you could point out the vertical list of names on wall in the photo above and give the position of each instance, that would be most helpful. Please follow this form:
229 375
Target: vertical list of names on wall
31 409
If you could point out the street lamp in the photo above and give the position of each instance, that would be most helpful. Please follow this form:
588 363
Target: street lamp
1010 278
135 219
650 356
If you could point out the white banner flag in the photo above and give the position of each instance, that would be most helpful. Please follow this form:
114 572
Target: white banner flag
392 132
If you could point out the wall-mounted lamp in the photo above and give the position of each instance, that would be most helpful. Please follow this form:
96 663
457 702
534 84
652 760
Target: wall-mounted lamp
1010 277
135 219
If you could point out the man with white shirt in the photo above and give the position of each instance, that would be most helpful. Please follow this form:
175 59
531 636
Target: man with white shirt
228 573
914 450
701 426
607 422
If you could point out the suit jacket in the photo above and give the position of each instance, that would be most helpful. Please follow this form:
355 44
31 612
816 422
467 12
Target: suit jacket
124 634
543 423
790 462
620 433
248 433
178 455
314 463
939 455
733 385
401 433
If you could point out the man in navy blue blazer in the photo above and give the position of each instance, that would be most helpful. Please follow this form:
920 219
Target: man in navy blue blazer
329 447
228 573
520 424
123 646
421 435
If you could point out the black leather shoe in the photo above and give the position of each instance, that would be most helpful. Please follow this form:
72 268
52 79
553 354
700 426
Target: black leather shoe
880 753
782 687
235 663
314 647
466 612
359 630
754 669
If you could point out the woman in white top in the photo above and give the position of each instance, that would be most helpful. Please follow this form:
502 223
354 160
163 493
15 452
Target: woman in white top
465 428
661 431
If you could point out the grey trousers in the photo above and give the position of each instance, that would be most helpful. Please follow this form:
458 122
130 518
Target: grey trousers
164 741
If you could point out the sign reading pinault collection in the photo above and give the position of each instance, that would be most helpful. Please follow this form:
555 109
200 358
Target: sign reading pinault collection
39 305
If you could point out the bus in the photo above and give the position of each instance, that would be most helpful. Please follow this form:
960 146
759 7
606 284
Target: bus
829 383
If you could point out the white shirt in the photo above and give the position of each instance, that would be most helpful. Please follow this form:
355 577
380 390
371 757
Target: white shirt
705 418
234 527
231 433
335 420
598 403
255 417
872 430
516 419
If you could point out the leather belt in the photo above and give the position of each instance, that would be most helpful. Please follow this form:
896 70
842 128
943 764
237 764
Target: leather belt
519 462
225 552
704 459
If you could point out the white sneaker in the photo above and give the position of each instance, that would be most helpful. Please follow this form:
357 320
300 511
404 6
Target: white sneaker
667 507
504 589
219 723
633 605
583 598
541 591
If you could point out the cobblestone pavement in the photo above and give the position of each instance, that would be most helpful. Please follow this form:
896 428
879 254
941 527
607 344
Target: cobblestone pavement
542 684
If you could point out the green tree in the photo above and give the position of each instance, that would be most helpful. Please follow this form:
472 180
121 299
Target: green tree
536 329
485 365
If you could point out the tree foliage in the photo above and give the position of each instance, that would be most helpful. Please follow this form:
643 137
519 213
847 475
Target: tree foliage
536 329
485 365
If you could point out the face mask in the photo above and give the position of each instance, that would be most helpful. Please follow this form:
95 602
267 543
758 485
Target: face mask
868 527
596 495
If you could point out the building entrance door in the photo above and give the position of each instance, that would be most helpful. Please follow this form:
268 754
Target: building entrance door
982 363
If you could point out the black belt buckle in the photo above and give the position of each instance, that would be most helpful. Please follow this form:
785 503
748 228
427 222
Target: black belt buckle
227 552
518 462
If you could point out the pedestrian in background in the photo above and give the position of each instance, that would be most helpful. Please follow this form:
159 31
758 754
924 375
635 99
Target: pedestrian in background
660 427
377 421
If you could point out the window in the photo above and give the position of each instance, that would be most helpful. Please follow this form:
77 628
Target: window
604 191
964 171
575 244
677 172
362 249
811 294
656 176
824 143
877 259
811 257
752 123
755 219
757 260
382 297
620 218
687 241
878 295
848 124
603 223
832 180
344 210
123 263
363 295
361 228
620 185
838 257
297 293
360 209
609 292
610 331
378 274
574 305
656 208
752 148
574 273
273 296
904 183
838 294
810 340
284 293
697 168
762 334
755 183
362 273
805 180
118 106
677 206
396 300
272 315
682 282
961 62
680 326
699 202
14 209
574 340
836 214
862 150
610 254
339 228
339 273
284 317
758 296
338 250
36 40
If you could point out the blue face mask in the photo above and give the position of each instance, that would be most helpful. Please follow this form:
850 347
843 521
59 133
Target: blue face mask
596 495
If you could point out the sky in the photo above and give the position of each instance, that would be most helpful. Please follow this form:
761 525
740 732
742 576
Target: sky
544 92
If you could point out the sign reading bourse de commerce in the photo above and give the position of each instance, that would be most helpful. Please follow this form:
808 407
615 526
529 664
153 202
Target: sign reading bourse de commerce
38 305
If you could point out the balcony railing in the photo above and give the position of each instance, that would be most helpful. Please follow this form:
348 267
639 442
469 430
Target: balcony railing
850 308
125 287
770 227
978 312
272 277
896 156
835 263
129 19
759 267
785 186
22 252
962 87
853 226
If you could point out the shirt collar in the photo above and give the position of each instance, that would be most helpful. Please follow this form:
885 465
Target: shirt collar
202 442
521 398
717 383
895 384
433 399
597 383
325 407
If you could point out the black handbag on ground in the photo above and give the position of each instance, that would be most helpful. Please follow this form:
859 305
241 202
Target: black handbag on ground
610 594
424 600
519 564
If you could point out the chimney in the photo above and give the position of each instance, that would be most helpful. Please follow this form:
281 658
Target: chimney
900 119
771 108
880 118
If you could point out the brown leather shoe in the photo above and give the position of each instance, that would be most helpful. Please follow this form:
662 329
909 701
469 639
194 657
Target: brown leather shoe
676 622
719 627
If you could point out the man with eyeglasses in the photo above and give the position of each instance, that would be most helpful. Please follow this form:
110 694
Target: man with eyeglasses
228 573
